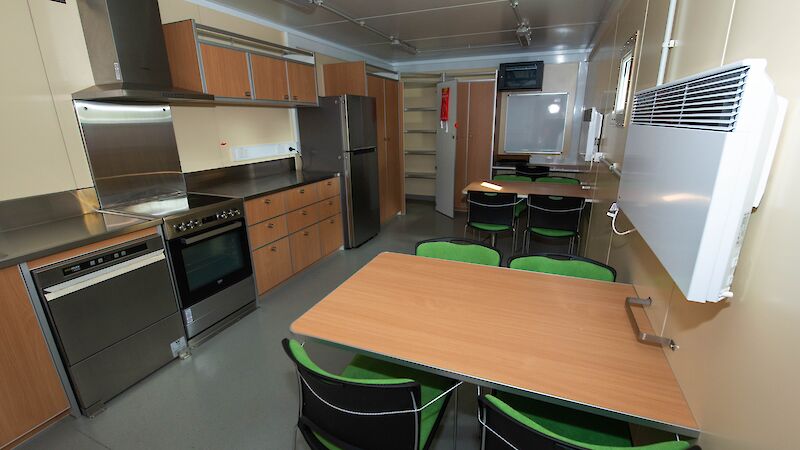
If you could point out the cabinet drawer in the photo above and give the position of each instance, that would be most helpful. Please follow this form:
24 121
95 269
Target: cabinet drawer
329 207
303 196
306 249
272 264
303 217
328 188
331 234
263 208
268 231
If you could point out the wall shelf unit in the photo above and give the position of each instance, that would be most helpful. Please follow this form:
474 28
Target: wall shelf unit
419 130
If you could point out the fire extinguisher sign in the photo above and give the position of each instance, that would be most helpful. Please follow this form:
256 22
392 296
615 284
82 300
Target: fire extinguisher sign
444 110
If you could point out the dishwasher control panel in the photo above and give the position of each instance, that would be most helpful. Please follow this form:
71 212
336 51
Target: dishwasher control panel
91 263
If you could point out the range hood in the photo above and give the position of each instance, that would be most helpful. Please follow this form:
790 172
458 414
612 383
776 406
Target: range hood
128 55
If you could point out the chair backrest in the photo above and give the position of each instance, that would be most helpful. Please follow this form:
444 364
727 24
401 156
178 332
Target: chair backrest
561 180
490 207
562 264
555 213
456 249
514 428
320 389
512 178
532 171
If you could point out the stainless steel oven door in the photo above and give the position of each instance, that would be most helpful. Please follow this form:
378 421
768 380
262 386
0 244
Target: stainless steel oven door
210 261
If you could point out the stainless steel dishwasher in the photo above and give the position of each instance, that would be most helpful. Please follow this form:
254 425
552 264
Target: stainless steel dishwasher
114 316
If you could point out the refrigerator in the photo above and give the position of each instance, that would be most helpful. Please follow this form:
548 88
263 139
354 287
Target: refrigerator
340 136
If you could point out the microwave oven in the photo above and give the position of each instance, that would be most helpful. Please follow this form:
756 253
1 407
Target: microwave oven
520 76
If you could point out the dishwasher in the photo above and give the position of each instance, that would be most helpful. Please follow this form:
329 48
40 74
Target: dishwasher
114 316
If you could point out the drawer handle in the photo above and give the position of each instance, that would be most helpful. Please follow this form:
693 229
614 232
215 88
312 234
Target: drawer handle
302 191
305 233
294 97
247 93
305 213
267 201
273 249
286 97
271 226
330 202
330 183
332 221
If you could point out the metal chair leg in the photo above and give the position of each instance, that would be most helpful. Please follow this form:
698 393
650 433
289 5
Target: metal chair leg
494 239
455 420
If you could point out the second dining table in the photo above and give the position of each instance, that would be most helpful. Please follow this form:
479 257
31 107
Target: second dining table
525 188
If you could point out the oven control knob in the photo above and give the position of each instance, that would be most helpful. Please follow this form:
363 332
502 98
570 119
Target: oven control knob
182 227
222 215
237 212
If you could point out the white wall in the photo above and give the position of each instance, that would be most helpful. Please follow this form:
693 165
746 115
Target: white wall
42 150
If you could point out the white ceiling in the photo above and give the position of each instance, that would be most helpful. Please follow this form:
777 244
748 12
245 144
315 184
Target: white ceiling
438 28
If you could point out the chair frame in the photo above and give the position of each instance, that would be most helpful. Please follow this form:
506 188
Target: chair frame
512 223
532 210
488 413
458 240
308 427
565 256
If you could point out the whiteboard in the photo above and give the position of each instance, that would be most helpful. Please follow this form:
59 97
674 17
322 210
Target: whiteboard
535 122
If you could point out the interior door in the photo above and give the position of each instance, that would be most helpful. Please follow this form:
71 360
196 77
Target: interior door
394 153
481 130
446 148
375 89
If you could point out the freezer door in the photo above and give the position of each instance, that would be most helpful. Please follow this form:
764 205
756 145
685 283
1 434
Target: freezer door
361 122
363 219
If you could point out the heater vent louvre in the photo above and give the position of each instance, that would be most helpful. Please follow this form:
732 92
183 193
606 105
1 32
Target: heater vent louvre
708 103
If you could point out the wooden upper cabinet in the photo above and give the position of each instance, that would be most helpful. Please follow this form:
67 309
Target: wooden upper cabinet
184 67
269 78
302 82
346 78
31 393
225 71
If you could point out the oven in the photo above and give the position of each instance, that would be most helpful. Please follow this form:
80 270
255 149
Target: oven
212 271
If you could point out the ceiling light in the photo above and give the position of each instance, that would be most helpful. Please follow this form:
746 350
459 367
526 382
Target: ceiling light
397 43
524 35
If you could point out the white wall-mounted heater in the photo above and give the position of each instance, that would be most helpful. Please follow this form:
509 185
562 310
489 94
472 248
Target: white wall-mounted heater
698 153
591 128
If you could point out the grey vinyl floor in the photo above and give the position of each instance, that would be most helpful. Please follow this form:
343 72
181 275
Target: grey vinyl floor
238 390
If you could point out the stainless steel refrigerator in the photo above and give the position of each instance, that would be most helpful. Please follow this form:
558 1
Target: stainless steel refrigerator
340 136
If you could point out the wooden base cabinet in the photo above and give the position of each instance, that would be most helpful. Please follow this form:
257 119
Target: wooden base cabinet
292 230
31 394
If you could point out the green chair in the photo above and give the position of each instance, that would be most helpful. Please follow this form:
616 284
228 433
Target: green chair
455 249
562 264
492 212
371 405
561 180
520 208
554 217
509 421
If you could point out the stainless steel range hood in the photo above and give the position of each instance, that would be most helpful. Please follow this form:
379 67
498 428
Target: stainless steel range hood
128 55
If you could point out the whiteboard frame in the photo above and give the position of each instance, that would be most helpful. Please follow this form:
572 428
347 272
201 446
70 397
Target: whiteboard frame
504 124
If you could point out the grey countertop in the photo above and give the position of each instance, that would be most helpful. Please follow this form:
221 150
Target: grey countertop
24 244
248 188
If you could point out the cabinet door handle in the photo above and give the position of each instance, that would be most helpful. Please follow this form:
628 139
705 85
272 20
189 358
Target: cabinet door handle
286 97
294 97
273 249
305 213
302 191
267 201
305 233
332 221
271 226
247 93
330 202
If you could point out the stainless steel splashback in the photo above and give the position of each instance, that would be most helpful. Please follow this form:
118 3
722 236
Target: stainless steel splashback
132 151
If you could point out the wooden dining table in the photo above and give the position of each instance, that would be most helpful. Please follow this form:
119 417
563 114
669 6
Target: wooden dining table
563 340
525 188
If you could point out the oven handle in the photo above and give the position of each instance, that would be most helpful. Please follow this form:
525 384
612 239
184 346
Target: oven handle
68 287
212 233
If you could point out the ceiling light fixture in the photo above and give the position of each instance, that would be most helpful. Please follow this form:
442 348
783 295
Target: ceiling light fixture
393 41
524 33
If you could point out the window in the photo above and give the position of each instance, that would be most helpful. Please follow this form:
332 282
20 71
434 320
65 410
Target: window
624 83
625 80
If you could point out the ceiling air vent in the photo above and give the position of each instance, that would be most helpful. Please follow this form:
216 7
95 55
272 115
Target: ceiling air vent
706 103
